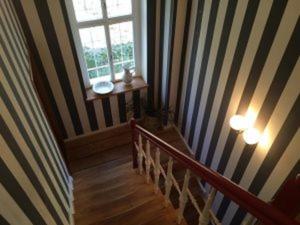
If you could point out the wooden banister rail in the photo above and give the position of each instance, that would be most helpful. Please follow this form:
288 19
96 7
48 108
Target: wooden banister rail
288 198
264 212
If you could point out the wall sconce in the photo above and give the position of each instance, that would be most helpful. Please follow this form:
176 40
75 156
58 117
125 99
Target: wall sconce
239 123
251 136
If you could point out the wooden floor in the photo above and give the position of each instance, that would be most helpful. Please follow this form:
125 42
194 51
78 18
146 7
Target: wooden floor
108 191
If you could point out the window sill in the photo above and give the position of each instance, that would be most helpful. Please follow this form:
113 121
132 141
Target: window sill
120 87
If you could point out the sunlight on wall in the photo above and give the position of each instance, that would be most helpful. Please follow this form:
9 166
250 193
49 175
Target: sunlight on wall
251 116
264 143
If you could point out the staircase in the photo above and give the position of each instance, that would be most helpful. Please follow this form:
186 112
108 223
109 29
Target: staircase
119 196
146 151
159 186
111 191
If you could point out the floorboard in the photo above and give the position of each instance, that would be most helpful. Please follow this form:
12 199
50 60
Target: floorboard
108 191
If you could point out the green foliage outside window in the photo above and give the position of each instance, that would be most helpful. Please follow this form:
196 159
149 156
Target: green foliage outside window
99 58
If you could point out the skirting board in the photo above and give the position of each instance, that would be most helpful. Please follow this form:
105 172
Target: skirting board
86 145
95 132
122 125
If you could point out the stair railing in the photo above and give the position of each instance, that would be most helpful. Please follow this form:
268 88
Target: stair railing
258 209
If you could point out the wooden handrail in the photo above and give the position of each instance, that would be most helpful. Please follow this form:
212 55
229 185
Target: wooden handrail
288 198
263 211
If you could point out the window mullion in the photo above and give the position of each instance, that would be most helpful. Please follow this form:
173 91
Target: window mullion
108 42
91 23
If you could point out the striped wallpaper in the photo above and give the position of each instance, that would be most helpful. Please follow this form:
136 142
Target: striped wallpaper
35 187
214 59
207 60
48 31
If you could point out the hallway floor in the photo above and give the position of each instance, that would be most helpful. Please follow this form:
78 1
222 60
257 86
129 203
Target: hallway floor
111 192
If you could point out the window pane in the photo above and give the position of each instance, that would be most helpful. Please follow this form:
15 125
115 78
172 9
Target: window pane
118 7
122 47
86 10
95 52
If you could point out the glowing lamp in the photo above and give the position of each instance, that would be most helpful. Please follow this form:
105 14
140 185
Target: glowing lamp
238 122
251 136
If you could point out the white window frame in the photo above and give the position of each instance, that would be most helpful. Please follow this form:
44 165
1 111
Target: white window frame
105 22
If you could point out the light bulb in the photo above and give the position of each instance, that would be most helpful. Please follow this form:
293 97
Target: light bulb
251 136
238 122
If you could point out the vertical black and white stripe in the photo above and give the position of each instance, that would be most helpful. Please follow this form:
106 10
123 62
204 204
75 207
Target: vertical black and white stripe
49 34
170 20
35 187
235 57
211 60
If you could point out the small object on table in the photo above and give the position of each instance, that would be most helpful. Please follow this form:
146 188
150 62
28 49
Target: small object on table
127 76
103 87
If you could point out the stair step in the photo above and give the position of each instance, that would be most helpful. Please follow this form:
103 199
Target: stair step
147 213
122 203
118 195
117 156
107 191
190 214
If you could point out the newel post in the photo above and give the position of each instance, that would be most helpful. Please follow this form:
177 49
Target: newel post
134 150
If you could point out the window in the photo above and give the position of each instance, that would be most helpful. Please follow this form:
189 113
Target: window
105 34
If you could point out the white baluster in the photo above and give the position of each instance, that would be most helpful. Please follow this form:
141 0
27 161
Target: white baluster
204 218
156 170
183 196
249 220
148 161
140 155
168 182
